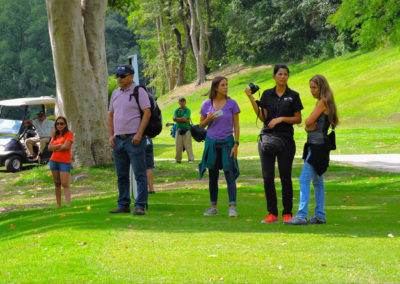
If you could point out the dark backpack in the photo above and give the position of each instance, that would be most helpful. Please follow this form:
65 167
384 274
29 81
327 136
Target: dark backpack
155 122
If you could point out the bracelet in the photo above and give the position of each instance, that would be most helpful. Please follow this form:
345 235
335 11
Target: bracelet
237 142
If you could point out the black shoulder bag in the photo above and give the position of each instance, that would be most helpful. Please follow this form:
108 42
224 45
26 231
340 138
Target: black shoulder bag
270 142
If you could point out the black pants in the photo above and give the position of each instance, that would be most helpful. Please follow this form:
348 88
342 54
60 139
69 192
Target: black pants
285 163
229 177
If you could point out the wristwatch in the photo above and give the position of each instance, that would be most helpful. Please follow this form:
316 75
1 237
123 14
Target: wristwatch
237 143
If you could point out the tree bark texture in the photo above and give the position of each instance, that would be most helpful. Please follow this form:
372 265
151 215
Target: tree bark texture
76 30
163 51
207 32
182 50
198 48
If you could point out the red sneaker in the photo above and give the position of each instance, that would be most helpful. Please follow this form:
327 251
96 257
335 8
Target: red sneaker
271 219
287 218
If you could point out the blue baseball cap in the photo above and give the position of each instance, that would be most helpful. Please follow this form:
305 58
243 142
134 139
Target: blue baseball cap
125 69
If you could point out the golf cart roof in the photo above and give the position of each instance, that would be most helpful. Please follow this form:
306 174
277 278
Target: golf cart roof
29 101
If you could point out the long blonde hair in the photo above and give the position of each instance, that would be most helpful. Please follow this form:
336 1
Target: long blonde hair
326 94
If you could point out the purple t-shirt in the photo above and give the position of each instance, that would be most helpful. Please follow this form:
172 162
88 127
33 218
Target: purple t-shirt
222 126
127 113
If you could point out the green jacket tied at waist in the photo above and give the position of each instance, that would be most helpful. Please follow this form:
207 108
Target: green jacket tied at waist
210 156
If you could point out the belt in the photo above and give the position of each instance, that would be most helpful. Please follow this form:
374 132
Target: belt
123 136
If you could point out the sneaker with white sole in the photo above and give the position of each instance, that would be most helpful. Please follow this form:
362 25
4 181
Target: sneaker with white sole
316 220
297 221
212 211
232 212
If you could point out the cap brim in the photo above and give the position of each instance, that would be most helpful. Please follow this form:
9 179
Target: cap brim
122 72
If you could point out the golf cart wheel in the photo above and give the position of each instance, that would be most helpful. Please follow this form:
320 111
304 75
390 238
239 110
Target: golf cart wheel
13 164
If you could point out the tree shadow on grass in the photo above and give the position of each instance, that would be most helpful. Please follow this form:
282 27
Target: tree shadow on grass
351 212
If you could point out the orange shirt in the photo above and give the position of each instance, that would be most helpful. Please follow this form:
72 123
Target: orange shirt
62 156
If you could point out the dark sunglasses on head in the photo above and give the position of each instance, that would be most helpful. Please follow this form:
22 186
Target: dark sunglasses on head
60 123
122 76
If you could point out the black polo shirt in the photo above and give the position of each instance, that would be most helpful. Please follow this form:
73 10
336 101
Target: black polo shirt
276 106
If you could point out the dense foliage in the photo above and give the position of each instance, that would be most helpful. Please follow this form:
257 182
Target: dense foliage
120 41
26 62
279 29
236 30
369 23
26 65
159 31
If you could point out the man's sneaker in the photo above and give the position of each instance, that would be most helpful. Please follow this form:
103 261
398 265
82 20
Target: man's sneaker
287 218
212 211
316 220
232 212
271 219
297 221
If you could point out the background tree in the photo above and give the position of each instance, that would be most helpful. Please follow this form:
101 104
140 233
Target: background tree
163 32
76 30
370 23
26 66
279 29
198 43
120 42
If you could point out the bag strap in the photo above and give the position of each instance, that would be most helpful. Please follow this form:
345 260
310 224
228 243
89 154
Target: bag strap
135 94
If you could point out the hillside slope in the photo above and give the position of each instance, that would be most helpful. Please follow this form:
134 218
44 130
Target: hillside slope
366 88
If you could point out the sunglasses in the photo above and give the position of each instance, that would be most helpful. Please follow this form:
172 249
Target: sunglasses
122 76
60 123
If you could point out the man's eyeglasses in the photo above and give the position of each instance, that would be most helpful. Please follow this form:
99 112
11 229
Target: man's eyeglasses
60 123
122 76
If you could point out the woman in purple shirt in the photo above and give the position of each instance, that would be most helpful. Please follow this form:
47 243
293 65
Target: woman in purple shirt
220 114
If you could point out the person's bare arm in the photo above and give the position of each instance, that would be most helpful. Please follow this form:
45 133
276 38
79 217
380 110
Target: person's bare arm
255 106
110 123
296 119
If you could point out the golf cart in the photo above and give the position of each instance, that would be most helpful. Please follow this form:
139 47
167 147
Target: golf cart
14 132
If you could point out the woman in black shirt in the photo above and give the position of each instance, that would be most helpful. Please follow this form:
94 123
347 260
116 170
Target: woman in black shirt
281 108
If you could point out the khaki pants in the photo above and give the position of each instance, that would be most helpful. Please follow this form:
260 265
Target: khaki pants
183 141
30 142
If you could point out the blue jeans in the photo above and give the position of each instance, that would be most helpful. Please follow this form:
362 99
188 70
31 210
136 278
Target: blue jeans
126 153
61 167
308 173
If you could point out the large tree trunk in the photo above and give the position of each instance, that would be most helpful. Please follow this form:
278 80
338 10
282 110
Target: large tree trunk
76 30
163 51
198 48
182 50
209 47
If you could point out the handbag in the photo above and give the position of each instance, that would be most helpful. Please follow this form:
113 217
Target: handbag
332 139
271 143
198 134
182 130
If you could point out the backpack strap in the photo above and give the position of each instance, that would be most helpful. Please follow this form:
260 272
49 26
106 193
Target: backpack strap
135 94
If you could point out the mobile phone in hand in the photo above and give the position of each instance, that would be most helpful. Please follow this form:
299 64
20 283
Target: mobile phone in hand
218 113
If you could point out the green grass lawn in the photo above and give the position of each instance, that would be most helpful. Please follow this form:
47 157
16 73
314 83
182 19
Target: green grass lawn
174 243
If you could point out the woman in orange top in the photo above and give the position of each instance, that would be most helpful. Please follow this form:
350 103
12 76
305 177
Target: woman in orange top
60 161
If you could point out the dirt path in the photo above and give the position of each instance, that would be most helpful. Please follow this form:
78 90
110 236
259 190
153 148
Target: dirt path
380 162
